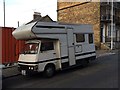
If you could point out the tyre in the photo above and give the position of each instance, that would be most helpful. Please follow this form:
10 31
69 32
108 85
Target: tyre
84 63
49 71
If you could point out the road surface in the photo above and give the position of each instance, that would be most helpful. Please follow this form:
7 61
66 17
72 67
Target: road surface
102 73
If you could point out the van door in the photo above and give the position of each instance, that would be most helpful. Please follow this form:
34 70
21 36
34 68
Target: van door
48 52
71 49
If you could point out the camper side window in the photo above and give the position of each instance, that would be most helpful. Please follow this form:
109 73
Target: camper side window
90 38
80 38
45 46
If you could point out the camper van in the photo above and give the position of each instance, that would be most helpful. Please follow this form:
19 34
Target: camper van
52 46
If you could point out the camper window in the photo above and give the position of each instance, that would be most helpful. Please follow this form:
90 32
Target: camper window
80 38
90 38
45 46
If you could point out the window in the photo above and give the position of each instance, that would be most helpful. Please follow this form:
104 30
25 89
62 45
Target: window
101 32
90 38
45 46
109 31
31 48
80 38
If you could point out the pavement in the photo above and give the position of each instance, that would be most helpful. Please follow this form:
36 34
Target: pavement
12 71
100 53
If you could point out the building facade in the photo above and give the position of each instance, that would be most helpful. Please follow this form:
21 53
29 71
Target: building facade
110 20
95 13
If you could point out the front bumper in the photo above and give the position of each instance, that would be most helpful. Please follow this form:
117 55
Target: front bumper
27 68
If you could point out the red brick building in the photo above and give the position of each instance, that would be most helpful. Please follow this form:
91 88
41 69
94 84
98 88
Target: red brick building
96 13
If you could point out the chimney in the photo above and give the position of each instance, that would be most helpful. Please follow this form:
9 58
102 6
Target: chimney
36 15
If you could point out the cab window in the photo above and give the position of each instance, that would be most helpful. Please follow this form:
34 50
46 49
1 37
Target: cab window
46 46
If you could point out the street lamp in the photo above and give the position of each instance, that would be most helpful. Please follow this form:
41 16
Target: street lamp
4 11
112 26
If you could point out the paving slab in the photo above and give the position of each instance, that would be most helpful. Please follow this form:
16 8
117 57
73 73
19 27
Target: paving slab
9 72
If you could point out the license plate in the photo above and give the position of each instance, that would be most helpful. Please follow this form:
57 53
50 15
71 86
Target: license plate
23 72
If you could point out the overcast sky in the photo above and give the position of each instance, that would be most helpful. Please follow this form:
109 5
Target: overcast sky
22 10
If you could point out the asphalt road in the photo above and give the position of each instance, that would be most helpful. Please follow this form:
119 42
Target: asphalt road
102 73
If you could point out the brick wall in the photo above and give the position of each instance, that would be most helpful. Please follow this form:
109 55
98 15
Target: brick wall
88 13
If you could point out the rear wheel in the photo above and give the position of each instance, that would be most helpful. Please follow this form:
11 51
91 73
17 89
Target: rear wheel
49 71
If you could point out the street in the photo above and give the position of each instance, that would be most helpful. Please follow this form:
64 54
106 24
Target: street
101 73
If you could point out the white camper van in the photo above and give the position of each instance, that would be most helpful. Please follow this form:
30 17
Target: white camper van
52 46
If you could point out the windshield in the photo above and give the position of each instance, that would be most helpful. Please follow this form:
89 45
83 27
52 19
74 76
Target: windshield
31 48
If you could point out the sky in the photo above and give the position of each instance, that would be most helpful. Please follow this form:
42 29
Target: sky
23 10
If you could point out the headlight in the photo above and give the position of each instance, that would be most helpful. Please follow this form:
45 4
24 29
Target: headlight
33 68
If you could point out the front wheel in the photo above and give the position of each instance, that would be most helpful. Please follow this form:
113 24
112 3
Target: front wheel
49 71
